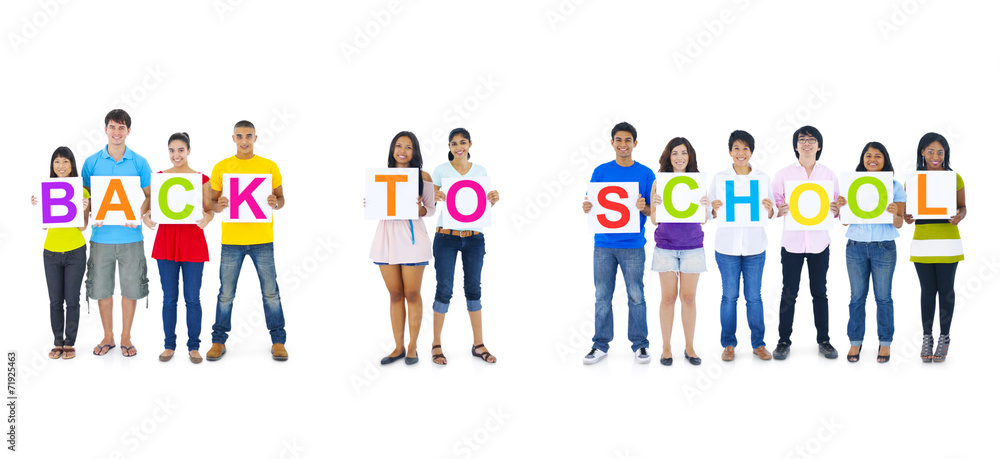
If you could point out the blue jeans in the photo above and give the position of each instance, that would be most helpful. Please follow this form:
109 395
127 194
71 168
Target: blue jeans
230 263
446 248
632 262
752 269
878 260
170 274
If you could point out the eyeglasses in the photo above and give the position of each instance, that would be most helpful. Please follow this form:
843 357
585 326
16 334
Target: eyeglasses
809 141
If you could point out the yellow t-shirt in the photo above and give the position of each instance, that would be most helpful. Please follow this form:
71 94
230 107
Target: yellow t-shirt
65 239
246 233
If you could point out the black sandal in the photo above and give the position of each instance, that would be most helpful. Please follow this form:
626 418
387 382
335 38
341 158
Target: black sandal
881 358
485 355
854 357
438 356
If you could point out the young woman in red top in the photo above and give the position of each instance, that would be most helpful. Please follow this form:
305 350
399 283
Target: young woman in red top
180 249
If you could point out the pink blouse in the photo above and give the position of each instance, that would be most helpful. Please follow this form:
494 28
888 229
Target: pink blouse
404 241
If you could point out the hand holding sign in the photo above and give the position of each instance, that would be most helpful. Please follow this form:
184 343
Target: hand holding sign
175 198
389 192
245 198
933 195
466 202
611 207
682 196
60 203
869 194
810 205
119 200
744 201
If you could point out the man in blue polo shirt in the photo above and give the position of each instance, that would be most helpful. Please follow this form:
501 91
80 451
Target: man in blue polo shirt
121 244
621 249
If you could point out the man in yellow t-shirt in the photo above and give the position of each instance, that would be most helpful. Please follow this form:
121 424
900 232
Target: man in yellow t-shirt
242 239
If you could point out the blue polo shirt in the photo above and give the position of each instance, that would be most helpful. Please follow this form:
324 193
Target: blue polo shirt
612 172
102 164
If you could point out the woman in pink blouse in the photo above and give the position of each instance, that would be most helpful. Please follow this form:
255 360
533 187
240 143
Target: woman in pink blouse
402 249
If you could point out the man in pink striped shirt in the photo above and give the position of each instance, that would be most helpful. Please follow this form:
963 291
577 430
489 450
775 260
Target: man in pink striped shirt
809 247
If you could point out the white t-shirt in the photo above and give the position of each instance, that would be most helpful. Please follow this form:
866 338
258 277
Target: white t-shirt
739 241
446 170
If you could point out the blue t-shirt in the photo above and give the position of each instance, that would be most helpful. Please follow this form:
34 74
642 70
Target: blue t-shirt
612 172
102 164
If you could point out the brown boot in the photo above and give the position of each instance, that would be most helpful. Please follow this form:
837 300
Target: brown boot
762 353
278 352
216 352
728 353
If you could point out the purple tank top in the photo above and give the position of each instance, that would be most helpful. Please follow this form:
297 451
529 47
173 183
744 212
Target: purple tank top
679 236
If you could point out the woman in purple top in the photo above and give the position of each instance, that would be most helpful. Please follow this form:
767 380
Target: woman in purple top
679 255
402 249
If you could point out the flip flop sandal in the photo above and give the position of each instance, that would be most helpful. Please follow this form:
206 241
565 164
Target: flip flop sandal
435 357
68 353
55 353
102 349
485 355
125 350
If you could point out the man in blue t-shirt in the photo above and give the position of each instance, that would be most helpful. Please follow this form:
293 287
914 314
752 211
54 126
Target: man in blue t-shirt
117 244
621 249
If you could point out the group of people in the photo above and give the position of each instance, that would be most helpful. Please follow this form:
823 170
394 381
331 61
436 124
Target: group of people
179 249
679 255
402 248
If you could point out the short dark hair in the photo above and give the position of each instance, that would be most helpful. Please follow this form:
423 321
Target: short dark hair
623 126
807 130
692 165
182 136
417 161
741 136
457 131
928 139
244 124
62 152
119 116
886 167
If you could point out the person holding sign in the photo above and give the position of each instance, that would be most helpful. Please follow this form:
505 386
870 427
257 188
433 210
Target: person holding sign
65 260
121 244
448 242
627 250
741 250
936 251
242 239
679 255
810 247
401 249
871 251
180 250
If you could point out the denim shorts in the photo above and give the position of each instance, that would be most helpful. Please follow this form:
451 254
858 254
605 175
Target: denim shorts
422 263
131 261
690 261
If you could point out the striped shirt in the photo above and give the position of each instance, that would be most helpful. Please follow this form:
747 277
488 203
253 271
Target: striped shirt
937 241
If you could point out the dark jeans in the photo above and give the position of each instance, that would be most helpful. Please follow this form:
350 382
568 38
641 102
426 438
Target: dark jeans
791 272
937 282
230 263
170 276
446 248
875 260
64 276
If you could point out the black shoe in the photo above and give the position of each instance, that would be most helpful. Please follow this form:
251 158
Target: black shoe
667 361
850 357
780 352
392 358
827 350
411 361
693 360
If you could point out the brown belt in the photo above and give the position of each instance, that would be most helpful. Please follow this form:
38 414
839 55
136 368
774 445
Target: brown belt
456 232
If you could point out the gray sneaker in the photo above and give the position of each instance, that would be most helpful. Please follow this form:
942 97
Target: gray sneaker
827 350
780 352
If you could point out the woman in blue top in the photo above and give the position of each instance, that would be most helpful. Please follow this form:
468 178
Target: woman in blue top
871 251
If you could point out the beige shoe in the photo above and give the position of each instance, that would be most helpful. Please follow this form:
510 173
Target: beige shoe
194 356
278 352
216 352
728 353
762 353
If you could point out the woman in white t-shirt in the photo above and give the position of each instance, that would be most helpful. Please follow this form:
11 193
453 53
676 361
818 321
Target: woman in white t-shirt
448 242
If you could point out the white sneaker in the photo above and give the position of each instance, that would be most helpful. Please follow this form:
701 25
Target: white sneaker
641 356
594 356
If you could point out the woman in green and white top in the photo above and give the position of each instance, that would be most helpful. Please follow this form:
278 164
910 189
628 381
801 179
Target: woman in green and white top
65 259
936 251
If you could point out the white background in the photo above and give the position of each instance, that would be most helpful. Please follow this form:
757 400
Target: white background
539 85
